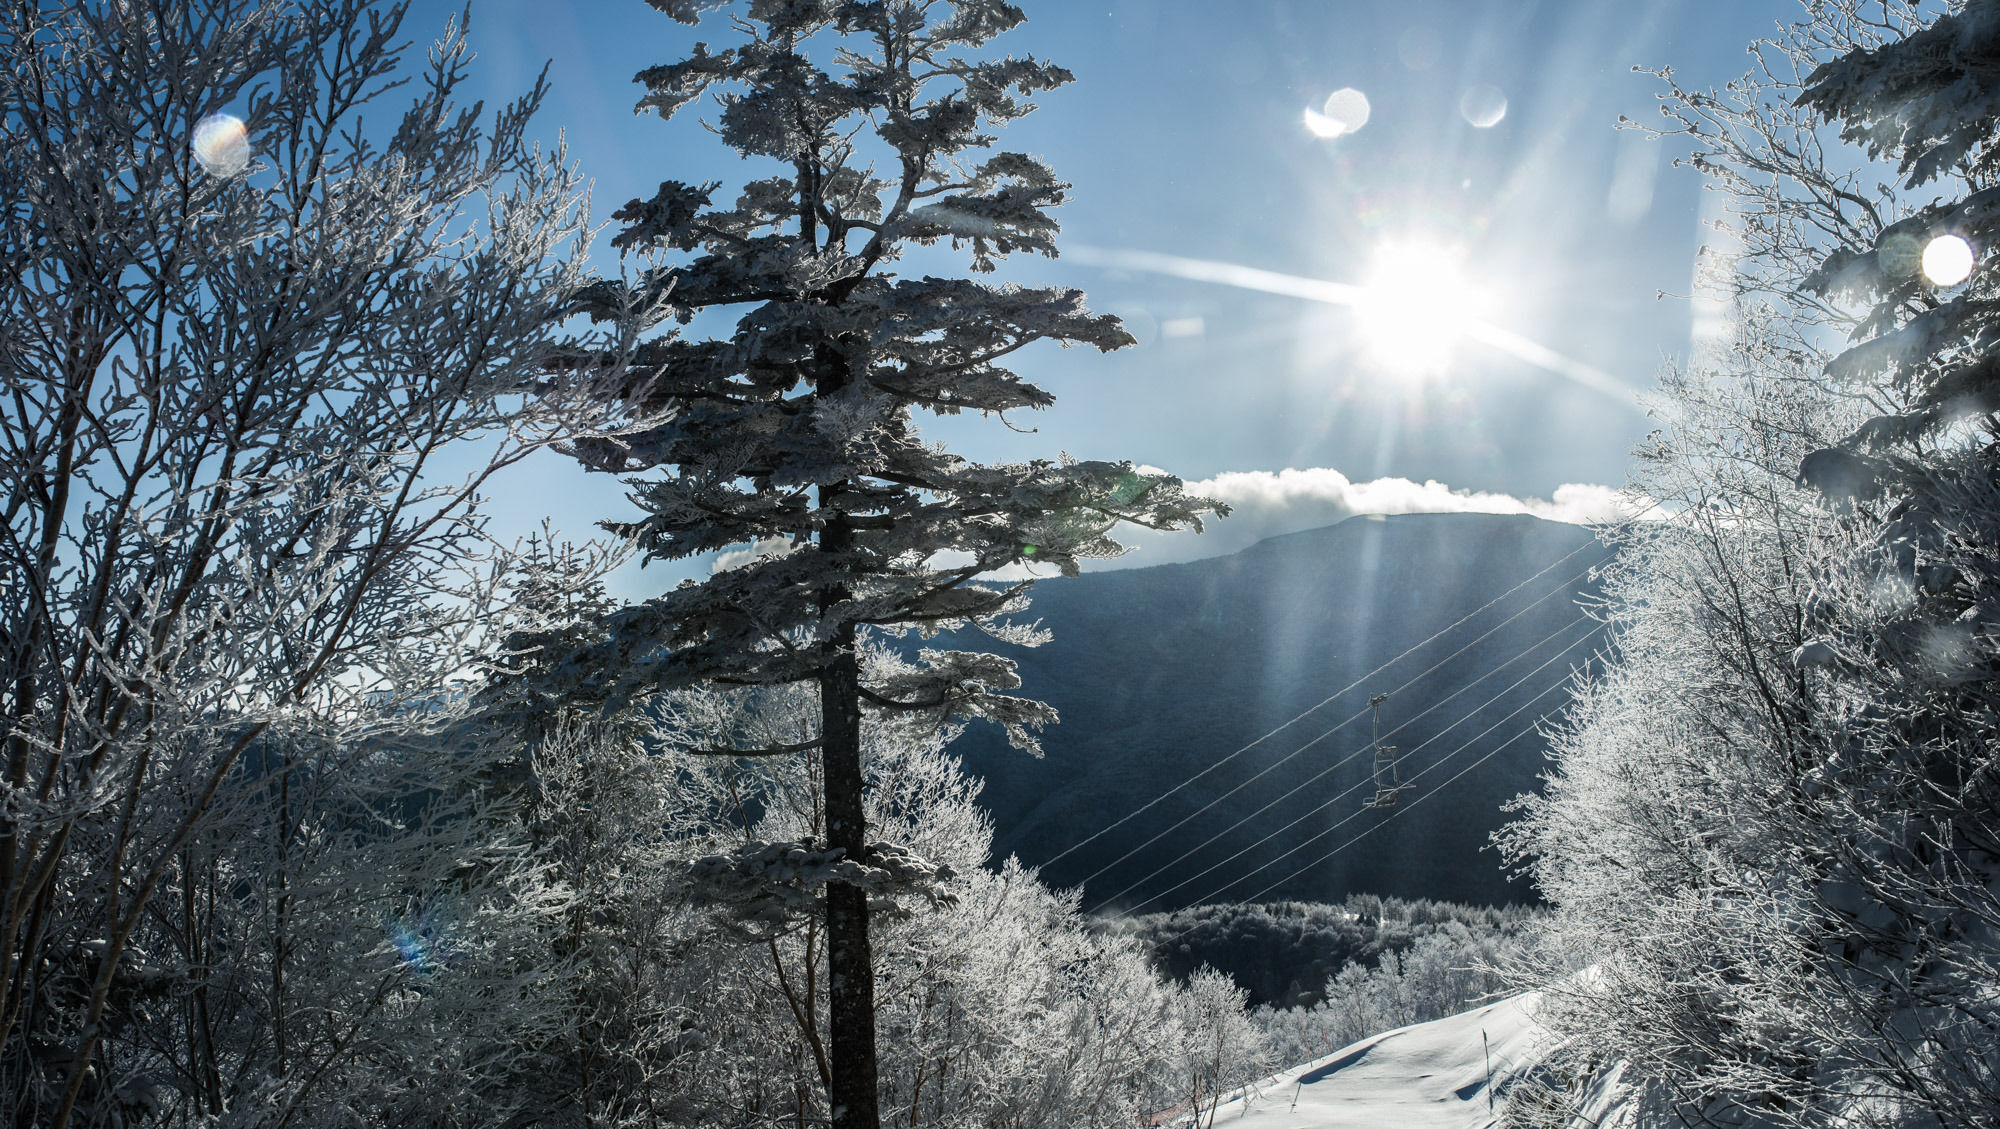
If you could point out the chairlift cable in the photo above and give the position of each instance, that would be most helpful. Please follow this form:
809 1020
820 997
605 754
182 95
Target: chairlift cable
1322 703
1245 901
1561 587
1356 814
1349 720
1364 833
1343 761
1345 792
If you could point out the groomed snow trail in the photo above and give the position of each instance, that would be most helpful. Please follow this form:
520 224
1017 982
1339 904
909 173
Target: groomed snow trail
1425 1076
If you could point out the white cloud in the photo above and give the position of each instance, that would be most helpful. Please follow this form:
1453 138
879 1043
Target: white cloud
1267 504
768 548
1270 504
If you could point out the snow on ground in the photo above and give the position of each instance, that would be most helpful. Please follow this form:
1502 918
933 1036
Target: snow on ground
1426 1076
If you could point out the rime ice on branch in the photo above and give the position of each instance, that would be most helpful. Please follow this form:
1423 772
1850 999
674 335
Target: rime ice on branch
796 432
1773 832
239 587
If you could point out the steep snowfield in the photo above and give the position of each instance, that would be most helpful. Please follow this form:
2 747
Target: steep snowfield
1426 1076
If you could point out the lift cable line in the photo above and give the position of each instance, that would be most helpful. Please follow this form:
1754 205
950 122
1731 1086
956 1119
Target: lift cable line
1357 813
1345 792
1532 727
1365 832
1337 694
1309 781
1338 796
1342 724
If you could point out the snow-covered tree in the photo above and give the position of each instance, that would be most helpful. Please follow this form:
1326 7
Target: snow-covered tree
1002 1006
1444 972
999 1004
796 434
260 353
1773 835
1222 1052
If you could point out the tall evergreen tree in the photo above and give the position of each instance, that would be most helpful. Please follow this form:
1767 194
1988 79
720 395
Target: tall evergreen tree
795 433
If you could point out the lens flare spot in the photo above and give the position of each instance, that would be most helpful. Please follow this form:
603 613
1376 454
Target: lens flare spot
1899 255
1345 111
1483 106
421 940
1029 550
221 144
1948 260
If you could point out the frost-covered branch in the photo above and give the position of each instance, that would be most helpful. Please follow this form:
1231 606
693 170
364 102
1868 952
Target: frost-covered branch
258 364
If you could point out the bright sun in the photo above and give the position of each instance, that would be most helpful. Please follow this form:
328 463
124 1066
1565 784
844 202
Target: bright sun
1413 305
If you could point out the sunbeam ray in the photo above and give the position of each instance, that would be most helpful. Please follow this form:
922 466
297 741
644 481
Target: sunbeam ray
1345 294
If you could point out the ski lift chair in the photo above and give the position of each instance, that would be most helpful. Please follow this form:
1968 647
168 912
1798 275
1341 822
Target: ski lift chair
1387 784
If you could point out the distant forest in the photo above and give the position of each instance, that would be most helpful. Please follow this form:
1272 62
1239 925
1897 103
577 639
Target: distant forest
1284 953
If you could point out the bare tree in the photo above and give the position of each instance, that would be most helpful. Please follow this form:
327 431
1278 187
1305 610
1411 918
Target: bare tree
269 308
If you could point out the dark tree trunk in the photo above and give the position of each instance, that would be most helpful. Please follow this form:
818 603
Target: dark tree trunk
850 964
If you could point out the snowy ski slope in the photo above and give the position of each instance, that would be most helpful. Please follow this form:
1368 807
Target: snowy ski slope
1426 1076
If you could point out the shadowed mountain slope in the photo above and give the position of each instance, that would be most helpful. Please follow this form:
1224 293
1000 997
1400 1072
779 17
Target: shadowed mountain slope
1160 673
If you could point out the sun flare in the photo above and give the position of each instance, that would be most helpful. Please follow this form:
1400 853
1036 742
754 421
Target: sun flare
1414 304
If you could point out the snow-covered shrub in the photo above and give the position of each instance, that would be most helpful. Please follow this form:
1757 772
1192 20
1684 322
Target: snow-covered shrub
1285 952
1002 1005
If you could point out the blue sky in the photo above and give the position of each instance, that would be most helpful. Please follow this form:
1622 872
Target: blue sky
1184 135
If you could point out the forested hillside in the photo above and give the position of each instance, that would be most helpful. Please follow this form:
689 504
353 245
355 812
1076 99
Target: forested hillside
1284 953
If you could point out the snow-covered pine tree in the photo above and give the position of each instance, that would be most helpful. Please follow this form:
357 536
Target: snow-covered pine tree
1911 890
795 433
1923 347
